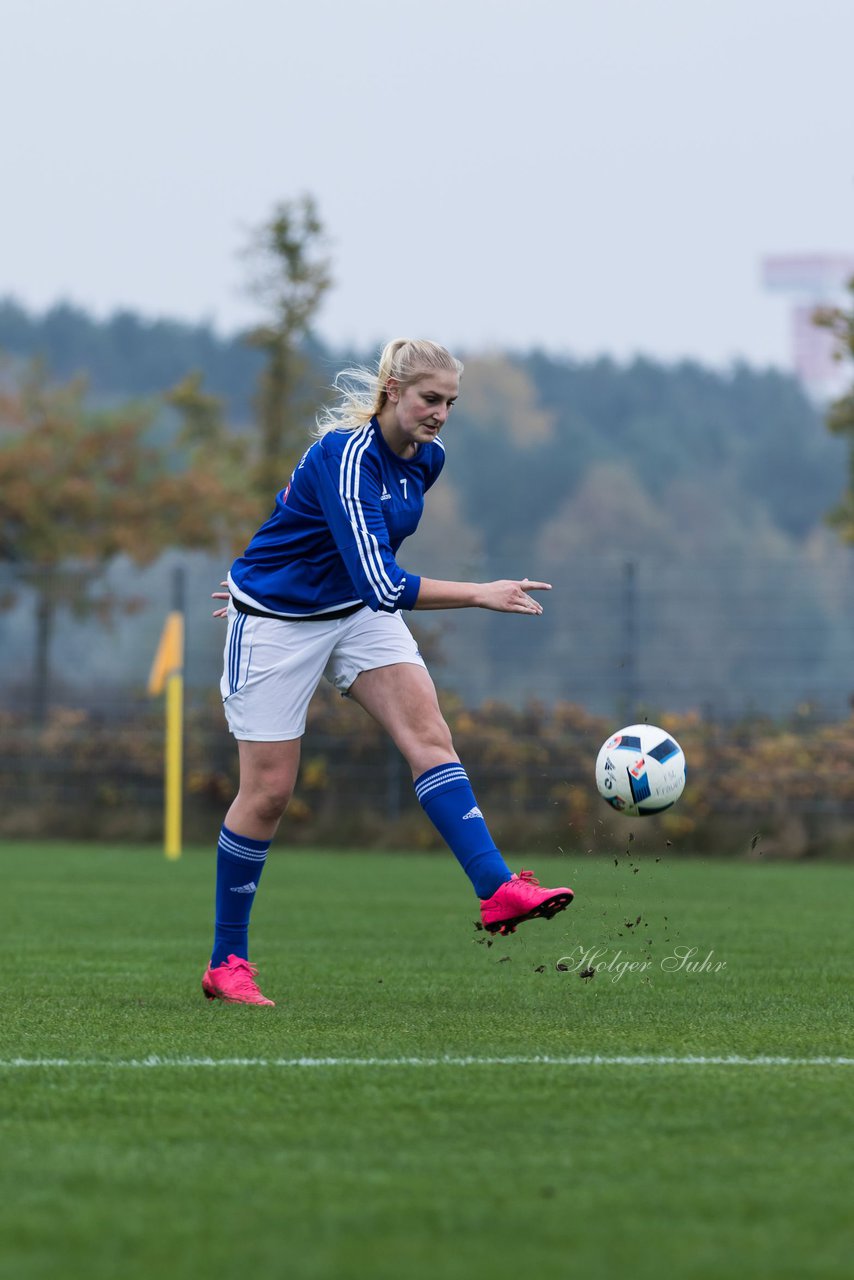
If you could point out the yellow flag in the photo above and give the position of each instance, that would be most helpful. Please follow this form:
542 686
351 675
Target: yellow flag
169 658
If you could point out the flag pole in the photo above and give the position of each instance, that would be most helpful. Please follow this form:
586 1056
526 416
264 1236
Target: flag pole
174 767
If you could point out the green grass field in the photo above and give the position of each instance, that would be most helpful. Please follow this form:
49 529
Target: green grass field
148 1132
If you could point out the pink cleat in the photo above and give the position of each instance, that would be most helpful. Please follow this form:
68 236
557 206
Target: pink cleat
234 982
521 898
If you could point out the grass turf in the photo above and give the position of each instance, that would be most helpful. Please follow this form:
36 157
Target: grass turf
416 1171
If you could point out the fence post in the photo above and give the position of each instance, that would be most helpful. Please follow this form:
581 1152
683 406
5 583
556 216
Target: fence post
629 683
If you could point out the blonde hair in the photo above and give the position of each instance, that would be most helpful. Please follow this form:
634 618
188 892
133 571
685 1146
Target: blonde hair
362 392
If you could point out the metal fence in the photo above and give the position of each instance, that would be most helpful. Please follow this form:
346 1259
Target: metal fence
717 635
765 647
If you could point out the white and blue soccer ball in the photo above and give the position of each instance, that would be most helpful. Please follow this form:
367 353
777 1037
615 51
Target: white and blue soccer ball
641 770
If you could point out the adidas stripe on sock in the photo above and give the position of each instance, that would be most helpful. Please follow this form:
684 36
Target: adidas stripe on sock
447 798
239 863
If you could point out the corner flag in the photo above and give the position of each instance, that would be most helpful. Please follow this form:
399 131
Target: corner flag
167 672
169 658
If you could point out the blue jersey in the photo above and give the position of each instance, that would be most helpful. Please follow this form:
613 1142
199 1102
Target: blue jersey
333 537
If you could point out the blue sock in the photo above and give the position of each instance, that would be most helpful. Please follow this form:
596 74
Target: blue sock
448 800
239 863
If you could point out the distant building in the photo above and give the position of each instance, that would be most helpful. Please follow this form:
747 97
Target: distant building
813 280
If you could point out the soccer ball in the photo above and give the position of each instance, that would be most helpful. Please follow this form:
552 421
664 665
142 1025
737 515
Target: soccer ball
641 771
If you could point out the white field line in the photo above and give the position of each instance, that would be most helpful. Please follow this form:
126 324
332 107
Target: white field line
153 1062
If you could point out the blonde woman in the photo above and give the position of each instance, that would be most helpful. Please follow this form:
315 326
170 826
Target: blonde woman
319 592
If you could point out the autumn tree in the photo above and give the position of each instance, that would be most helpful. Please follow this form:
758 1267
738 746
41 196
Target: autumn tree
840 413
288 276
83 486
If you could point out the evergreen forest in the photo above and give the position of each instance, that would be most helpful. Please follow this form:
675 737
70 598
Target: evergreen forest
680 512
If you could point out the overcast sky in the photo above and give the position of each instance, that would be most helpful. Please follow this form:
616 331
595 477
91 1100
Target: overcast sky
590 176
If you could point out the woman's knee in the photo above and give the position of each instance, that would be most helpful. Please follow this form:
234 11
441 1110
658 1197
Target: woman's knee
267 777
268 796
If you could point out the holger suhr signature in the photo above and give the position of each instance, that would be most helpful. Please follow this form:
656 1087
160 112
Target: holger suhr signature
588 961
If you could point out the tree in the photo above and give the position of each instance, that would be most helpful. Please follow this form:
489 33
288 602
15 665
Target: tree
840 413
289 279
82 487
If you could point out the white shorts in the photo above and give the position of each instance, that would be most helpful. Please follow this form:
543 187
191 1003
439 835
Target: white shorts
272 667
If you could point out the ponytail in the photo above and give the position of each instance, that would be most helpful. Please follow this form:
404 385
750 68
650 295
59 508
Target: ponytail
362 392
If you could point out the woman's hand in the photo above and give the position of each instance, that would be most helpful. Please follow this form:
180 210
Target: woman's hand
507 596
220 595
